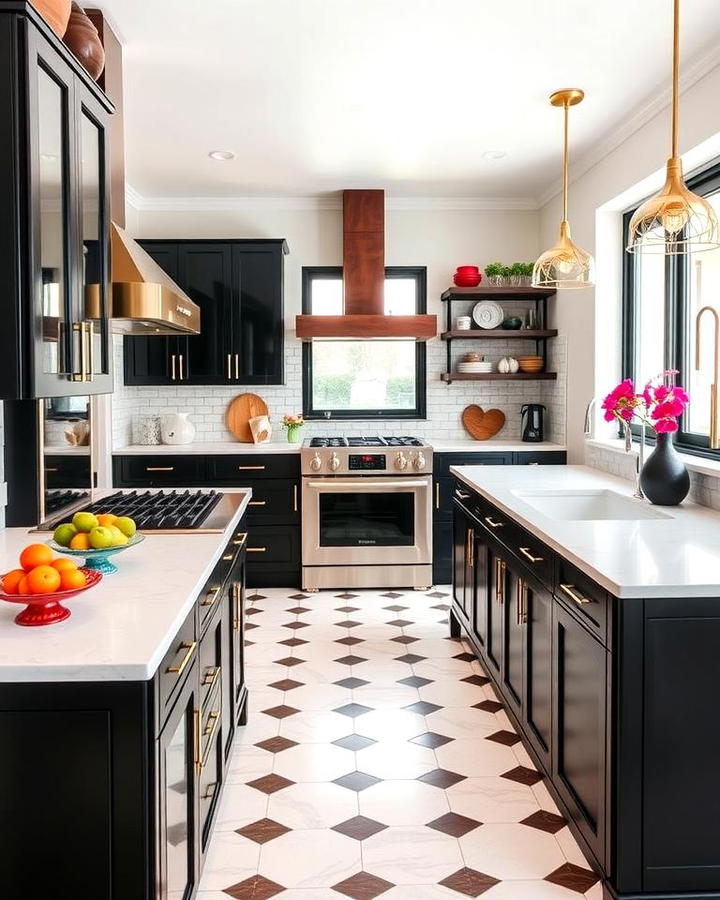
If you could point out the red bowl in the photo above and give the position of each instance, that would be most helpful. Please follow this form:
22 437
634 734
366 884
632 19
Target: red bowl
46 609
467 270
467 281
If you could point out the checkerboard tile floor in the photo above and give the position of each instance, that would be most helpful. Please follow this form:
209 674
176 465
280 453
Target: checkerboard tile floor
378 762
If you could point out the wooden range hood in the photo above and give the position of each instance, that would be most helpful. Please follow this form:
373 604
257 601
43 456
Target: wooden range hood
364 282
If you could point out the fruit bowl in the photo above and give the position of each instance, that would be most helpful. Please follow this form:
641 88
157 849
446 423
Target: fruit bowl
46 609
98 560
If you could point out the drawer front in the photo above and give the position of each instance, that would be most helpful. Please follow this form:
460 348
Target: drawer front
210 657
175 664
276 546
536 556
211 777
159 471
443 461
585 599
274 500
210 598
235 471
541 458
210 718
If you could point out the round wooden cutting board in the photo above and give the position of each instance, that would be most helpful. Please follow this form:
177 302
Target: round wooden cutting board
240 410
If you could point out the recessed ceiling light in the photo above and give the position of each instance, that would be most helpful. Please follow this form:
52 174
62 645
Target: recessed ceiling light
494 154
221 154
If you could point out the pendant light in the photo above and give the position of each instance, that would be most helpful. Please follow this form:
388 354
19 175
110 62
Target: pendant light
565 265
675 220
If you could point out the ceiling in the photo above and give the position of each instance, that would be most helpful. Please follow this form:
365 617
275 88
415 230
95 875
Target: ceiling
318 95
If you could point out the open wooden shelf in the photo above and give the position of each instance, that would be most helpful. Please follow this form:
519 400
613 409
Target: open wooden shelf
497 293
517 334
498 376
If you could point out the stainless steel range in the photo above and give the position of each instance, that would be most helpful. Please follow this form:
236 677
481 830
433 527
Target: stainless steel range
366 512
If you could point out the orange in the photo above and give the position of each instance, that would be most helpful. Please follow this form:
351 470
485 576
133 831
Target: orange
35 555
11 580
106 519
72 579
23 586
63 565
81 541
43 580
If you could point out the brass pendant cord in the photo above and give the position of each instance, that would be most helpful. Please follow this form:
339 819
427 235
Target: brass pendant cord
676 79
566 114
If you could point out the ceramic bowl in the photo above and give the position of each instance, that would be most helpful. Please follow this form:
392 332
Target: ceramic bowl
98 560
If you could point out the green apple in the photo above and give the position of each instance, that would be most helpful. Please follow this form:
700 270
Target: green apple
126 525
84 521
101 538
64 533
118 538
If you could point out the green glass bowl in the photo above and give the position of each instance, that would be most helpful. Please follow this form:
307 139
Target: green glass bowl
98 560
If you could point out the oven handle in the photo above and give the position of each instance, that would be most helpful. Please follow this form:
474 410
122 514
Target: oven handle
362 484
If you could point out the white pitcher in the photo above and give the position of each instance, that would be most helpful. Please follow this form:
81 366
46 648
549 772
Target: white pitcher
176 428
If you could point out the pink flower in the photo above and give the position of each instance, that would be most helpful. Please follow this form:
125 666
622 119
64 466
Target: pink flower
666 426
621 402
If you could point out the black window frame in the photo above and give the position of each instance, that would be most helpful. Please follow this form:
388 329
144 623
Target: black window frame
678 328
419 274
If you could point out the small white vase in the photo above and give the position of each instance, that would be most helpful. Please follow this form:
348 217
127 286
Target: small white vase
176 428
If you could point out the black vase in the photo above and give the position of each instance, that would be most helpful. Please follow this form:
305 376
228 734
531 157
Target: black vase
664 479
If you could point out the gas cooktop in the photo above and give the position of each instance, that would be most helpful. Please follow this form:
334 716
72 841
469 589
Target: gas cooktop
376 441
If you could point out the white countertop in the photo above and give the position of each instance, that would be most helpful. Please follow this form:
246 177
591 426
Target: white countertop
235 447
677 556
121 629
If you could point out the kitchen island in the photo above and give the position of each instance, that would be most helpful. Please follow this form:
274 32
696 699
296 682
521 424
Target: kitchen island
597 618
116 724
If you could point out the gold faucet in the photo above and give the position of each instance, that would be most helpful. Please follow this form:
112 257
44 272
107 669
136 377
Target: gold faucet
714 441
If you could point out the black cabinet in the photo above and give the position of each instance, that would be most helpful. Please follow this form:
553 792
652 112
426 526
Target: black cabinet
54 223
537 616
463 574
238 286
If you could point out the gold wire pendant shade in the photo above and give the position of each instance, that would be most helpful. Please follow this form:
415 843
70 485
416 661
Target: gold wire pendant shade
565 265
675 220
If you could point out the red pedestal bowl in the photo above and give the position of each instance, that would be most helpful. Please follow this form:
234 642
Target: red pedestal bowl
46 609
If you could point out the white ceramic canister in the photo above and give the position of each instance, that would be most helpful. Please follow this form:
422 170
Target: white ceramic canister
462 323
176 428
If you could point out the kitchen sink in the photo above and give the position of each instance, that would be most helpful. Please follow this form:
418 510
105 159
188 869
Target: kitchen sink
588 505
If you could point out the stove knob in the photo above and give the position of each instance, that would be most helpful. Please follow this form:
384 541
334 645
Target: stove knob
334 463
401 461
315 462
419 462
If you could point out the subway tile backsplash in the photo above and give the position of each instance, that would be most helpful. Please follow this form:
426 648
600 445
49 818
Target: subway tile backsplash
445 403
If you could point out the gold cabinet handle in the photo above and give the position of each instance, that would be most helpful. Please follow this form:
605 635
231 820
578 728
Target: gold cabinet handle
240 539
210 597
209 732
91 351
237 365
251 468
500 580
528 555
295 498
257 503
51 469
237 611
461 494
492 523
471 547
520 598
197 739
159 468
189 648
572 593
181 361
437 495
211 676
172 366
228 557
257 549
229 357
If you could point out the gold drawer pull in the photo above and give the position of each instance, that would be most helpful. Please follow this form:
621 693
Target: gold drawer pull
237 610
209 732
578 598
461 494
211 676
257 549
197 740
295 498
48 469
528 555
189 648
240 539
493 524
210 597
159 468
228 557
251 468
257 503
437 495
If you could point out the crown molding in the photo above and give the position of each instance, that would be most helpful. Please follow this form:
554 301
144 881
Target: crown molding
645 112
334 202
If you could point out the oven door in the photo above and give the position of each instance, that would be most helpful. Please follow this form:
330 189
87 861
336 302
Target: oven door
367 521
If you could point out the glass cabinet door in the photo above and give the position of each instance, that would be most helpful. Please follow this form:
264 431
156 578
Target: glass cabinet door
53 154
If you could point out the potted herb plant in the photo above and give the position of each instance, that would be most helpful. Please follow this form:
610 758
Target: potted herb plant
506 273
516 274
526 273
493 271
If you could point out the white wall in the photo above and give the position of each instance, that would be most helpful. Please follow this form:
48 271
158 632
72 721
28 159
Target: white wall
591 318
438 238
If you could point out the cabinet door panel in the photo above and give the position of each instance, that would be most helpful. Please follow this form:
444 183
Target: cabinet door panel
481 592
258 314
537 613
513 642
580 706
205 276
462 570
497 590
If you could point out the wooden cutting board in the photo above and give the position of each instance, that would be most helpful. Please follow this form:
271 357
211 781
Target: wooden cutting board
243 408
482 424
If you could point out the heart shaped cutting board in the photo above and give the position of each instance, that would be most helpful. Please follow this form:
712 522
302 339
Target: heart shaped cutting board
480 424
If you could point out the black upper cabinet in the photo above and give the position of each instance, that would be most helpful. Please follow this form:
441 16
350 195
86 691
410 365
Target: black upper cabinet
54 221
238 286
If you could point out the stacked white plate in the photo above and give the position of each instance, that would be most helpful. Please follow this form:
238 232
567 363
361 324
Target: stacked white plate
474 368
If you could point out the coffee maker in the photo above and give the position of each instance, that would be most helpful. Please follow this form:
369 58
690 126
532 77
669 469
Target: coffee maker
533 426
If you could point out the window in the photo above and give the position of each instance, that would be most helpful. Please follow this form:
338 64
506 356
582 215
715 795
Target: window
661 298
358 379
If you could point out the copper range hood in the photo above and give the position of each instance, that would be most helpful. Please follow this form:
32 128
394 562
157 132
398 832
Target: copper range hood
364 282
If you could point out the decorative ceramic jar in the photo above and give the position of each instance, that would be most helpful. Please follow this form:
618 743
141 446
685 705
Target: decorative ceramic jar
55 12
176 428
84 41
664 479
